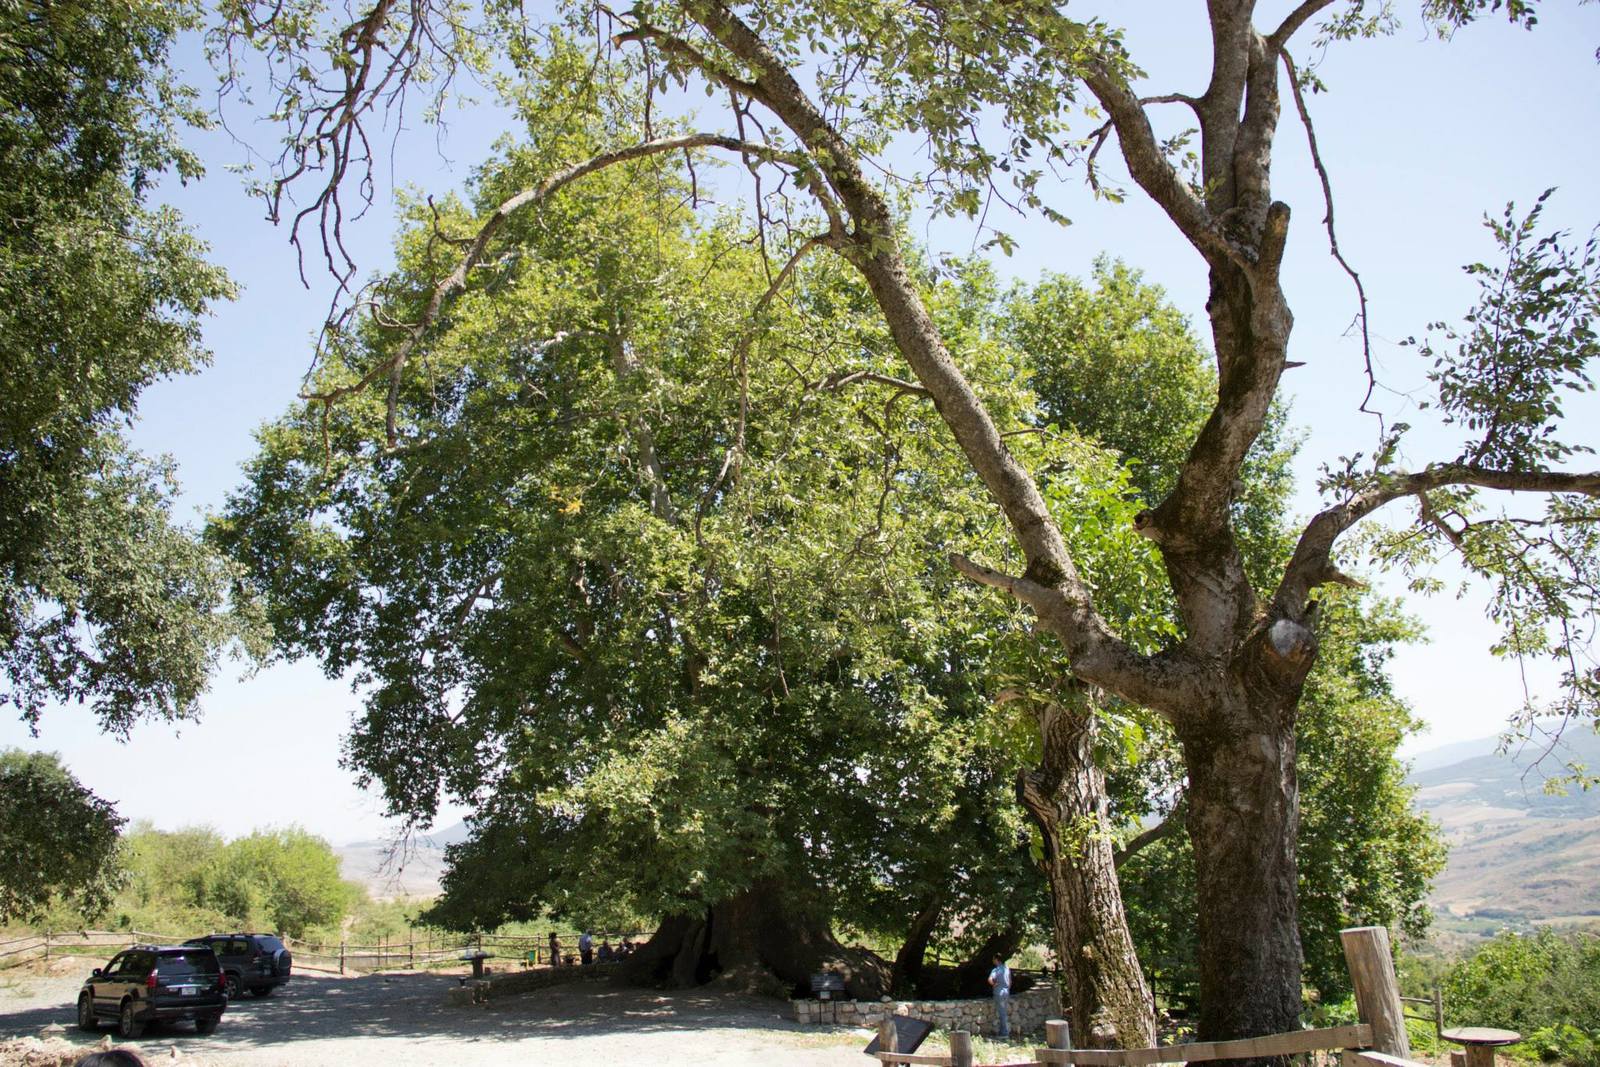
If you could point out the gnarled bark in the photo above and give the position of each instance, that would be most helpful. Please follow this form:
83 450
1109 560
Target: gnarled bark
764 940
1066 797
1243 818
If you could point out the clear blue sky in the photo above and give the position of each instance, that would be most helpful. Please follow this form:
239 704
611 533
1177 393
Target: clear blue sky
1422 137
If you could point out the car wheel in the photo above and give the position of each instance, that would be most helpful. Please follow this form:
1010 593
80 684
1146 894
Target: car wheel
207 1025
86 1019
127 1025
231 987
263 991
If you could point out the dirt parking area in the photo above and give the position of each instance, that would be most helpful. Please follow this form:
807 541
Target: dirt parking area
401 1019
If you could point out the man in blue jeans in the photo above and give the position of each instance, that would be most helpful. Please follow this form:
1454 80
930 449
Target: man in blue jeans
1000 980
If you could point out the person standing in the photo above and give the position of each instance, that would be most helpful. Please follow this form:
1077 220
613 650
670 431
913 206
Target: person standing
555 950
586 947
1000 982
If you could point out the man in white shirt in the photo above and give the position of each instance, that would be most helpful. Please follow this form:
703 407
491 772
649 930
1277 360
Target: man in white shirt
586 947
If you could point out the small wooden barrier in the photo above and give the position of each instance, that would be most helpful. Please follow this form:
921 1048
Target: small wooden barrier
1289 1044
1378 1040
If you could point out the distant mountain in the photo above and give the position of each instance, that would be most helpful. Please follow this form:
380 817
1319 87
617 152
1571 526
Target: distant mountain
1520 852
1513 782
392 869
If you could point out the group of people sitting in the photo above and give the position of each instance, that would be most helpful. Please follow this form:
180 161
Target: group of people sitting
587 953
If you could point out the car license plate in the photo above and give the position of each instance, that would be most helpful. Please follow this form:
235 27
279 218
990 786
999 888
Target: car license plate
188 990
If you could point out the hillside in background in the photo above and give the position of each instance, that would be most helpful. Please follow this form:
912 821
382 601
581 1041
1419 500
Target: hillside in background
392 870
1520 853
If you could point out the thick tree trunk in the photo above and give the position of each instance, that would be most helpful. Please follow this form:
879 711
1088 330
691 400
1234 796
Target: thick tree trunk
908 962
971 978
1066 796
1243 819
765 940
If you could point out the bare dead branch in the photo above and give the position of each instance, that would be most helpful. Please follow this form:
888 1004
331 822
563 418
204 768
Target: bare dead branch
1333 237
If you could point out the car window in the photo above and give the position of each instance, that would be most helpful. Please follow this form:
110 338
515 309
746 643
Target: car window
238 946
139 963
119 961
269 944
178 964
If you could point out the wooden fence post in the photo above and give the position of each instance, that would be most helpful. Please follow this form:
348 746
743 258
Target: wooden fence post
960 1049
47 946
1366 950
1058 1034
888 1036
411 951
341 956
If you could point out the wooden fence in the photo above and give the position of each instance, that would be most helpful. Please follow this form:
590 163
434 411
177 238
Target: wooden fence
412 953
1379 1040
94 943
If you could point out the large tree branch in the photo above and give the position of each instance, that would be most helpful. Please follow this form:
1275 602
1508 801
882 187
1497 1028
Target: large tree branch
1279 38
677 47
1252 156
1166 683
874 250
392 364
1151 170
1311 565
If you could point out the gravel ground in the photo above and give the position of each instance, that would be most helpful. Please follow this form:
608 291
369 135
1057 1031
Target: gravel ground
401 1019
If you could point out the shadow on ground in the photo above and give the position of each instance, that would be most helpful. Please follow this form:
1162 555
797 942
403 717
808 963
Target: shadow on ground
315 1008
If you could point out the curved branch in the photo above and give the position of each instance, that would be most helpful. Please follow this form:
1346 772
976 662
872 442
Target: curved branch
1293 21
1166 683
1174 822
1155 175
1333 237
394 363
1311 565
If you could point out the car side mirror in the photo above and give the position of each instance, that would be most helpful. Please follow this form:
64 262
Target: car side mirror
95 973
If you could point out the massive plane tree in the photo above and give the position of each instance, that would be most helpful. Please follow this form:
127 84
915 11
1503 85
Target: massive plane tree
816 93
684 666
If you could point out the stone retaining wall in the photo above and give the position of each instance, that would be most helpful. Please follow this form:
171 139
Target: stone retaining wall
1028 1011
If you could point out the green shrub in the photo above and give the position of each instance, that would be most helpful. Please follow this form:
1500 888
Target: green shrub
1546 986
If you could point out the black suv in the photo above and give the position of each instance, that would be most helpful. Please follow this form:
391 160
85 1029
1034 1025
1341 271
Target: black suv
255 962
155 983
